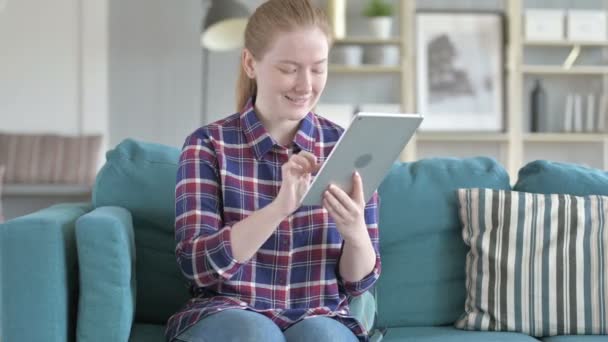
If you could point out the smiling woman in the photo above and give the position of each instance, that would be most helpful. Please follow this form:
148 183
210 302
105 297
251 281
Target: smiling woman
288 83
262 266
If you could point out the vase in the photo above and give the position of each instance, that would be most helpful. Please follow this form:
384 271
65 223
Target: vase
348 55
381 27
386 55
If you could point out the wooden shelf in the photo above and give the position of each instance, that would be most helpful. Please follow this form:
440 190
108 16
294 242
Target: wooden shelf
368 41
461 136
558 70
46 190
564 43
364 69
565 137
511 145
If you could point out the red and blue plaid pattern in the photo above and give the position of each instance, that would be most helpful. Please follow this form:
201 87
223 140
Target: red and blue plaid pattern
228 170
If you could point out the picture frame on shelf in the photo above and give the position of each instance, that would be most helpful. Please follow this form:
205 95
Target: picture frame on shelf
460 74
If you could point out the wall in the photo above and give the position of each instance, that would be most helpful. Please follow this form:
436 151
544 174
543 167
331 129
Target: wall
155 70
134 69
119 68
53 66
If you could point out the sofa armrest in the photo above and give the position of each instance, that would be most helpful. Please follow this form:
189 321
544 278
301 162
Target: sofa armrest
363 307
38 273
106 256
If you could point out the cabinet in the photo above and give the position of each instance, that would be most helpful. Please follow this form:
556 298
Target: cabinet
516 145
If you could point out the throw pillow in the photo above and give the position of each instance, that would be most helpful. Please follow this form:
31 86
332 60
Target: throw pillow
537 263
549 177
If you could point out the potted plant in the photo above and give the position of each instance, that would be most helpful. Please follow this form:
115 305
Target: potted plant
380 17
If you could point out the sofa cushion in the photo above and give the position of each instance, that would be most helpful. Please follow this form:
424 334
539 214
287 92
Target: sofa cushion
536 263
450 334
106 260
140 177
39 275
423 255
147 333
576 338
548 177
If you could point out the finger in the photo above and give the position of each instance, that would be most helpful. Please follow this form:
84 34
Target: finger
293 168
302 161
299 161
335 205
357 193
342 197
310 158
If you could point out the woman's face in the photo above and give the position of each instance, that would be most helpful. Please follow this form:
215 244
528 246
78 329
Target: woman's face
291 75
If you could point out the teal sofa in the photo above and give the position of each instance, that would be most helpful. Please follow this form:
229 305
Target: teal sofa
106 271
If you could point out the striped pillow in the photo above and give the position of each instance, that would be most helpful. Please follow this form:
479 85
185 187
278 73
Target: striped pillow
537 263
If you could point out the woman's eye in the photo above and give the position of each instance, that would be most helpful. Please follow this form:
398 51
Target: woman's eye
319 71
288 71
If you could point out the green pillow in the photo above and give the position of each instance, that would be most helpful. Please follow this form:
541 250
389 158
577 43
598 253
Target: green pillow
546 177
140 177
423 256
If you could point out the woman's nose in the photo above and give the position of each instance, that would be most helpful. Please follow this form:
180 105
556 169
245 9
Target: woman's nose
304 82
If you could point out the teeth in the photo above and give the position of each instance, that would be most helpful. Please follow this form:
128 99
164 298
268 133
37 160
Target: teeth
301 99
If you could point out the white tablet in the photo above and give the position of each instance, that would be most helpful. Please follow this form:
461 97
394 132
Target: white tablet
370 145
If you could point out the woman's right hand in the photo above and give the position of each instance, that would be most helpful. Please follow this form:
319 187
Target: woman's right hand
296 175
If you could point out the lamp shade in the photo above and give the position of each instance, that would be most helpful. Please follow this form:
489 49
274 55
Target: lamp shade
224 25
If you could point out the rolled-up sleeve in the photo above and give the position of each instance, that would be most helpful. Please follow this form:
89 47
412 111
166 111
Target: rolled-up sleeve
203 250
356 288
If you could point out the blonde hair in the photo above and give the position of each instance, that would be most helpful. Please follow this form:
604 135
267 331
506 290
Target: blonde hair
270 18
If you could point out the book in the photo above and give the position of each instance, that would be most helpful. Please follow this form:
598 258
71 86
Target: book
578 113
568 113
590 119
601 114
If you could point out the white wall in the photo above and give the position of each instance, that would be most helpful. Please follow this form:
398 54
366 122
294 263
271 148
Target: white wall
53 62
154 70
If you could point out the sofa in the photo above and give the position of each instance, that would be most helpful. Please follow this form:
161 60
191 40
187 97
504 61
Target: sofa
106 270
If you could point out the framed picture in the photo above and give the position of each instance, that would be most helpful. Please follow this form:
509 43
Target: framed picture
460 76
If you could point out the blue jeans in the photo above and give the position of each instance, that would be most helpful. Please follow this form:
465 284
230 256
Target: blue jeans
242 325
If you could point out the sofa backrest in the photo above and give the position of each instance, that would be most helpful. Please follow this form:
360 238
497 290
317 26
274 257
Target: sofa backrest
422 281
140 177
423 255
548 177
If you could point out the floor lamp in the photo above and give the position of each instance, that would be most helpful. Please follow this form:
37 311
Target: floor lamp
222 29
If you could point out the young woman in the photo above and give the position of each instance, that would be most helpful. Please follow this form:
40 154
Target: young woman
262 267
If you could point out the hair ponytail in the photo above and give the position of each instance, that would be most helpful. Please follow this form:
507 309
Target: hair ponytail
245 88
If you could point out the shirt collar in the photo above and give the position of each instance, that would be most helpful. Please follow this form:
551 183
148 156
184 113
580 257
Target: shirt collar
261 141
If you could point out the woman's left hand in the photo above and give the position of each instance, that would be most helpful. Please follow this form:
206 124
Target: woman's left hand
347 210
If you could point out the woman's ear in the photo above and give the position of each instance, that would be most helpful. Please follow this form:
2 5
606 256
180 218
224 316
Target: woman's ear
248 63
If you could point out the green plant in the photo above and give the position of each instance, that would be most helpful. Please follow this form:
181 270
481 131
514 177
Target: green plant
378 8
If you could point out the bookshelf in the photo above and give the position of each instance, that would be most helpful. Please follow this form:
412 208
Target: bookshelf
515 145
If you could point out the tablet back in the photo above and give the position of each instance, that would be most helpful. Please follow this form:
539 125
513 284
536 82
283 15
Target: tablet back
371 144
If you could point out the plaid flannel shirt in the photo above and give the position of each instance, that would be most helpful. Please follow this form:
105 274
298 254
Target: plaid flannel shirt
228 170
